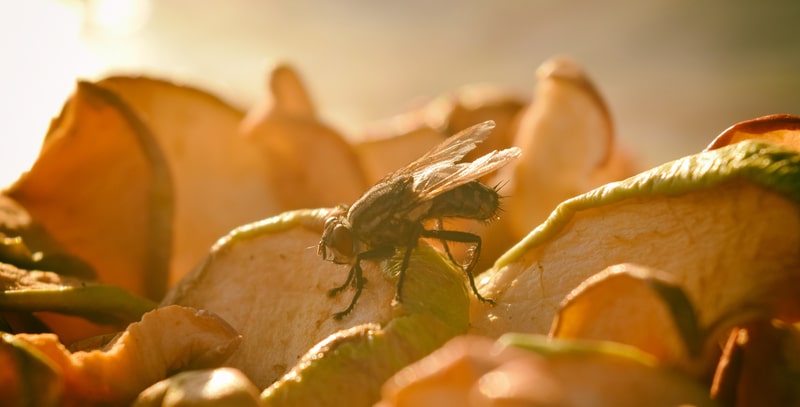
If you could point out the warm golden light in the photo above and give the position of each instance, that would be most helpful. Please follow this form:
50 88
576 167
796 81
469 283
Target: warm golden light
117 17
42 56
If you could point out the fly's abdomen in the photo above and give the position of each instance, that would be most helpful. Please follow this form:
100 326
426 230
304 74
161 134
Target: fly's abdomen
472 200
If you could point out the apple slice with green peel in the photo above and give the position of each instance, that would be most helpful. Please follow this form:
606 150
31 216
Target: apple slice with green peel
165 341
349 366
219 176
724 224
102 189
782 129
38 291
267 280
534 370
641 307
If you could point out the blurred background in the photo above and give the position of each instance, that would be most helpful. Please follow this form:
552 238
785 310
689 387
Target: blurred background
674 73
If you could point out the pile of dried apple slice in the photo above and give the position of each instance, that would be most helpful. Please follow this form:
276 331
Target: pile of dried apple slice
162 251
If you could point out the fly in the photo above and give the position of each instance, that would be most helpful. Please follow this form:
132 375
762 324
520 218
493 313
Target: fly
392 214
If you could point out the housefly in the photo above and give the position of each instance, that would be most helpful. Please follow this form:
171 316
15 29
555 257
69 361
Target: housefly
392 214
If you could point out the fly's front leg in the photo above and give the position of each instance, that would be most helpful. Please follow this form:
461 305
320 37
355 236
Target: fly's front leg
462 237
336 290
357 276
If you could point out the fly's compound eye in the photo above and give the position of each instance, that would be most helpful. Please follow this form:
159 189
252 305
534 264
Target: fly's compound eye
337 240
342 241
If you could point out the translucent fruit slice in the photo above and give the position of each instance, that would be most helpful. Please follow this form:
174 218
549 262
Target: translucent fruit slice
268 281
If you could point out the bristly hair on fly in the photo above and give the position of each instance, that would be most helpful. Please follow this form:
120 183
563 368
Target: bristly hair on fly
391 215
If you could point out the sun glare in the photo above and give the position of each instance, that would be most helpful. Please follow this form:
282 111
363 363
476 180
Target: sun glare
46 46
117 17
42 56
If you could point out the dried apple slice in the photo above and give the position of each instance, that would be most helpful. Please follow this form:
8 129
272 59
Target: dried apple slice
478 103
25 244
35 291
349 366
309 165
783 129
165 341
102 189
532 370
637 306
394 142
760 366
223 386
27 377
724 224
218 175
268 281
567 141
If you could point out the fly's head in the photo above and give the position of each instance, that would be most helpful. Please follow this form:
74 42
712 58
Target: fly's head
337 243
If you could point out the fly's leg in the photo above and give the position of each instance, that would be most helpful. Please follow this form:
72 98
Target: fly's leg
356 278
462 237
445 246
336 290
398 296
357 273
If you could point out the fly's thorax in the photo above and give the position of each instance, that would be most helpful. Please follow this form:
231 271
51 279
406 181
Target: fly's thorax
472 200
377 208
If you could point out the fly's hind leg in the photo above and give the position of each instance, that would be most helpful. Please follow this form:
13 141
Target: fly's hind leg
445 246
462 237
398 295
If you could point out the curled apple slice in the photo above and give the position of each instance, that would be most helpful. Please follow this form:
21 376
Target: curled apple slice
308 164
166 340
27 377
724 224
637 306
759 365
782 129
102 189
218 176
567 140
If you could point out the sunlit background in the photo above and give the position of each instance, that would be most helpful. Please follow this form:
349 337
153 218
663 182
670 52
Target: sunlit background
675 73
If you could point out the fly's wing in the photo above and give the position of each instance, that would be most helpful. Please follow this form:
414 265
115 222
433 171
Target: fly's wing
449 151
437 172
441 177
